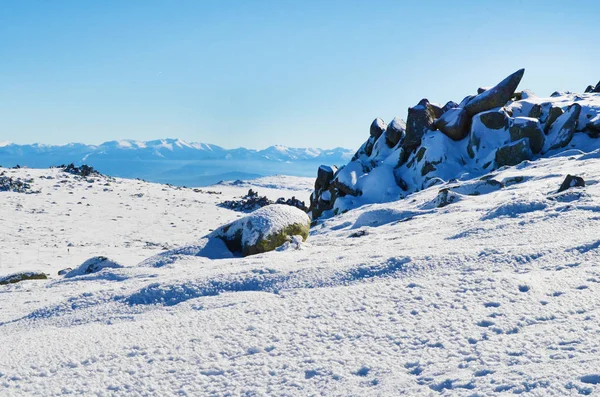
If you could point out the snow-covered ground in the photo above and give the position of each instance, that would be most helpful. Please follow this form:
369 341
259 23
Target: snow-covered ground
494 294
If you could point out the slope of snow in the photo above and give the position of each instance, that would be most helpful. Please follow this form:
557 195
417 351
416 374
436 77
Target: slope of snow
494 294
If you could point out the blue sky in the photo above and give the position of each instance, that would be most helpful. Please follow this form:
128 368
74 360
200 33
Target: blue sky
258 73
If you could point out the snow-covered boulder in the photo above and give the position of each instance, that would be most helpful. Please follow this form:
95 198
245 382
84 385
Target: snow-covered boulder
264 229
93 265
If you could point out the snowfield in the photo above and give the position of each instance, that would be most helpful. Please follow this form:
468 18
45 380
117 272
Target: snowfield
493 294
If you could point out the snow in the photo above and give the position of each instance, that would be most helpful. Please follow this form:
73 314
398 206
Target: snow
494 294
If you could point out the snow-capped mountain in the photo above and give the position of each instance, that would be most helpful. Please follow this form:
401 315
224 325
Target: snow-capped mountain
174 160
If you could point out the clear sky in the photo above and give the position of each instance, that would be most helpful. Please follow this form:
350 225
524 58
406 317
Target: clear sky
258 73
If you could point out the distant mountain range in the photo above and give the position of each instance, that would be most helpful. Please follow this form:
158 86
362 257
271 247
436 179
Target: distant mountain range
175 161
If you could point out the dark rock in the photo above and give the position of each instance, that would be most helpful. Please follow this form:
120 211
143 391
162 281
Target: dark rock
395 132
446 197
536 111
420 120
481 90
455 123
18 277
9 184
324 177
514 153
526 127
571 181
377 128
64 271
590 88
496 96
561 132
597 88
359 233
494 119
448 106
593 127
553 114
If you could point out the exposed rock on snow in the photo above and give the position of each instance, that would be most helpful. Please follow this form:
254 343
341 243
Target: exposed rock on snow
23 276
93 265
264 229
497 127
571 181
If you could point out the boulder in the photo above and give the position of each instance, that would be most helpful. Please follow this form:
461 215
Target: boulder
562 130
264 229
324 177
536 111
554 113
420 120
93 265
395 132
514 153
494 119
366 149
377 128
593 126
526 127
496 96
449 105
23 276
571 181
455 123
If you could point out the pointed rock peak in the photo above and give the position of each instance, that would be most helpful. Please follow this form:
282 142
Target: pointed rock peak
496 96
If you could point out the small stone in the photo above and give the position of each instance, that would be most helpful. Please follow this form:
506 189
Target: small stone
571 181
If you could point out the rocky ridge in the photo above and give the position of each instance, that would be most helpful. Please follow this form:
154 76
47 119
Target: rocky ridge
498 127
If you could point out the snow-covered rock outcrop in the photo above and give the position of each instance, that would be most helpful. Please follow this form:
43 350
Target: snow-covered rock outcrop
497 127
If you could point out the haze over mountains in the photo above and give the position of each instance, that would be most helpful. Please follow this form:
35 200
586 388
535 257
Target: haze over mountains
175 161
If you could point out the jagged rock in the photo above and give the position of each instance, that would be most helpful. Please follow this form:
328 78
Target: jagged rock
526 127
597 88
494 119
454 123
420 120
593 127
395 132
514 153
589 88
496 96
554 113
571 181
366 149
377 128
264 229
23 276
449 105
562 130
481 90
324 177
536 111
93 265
